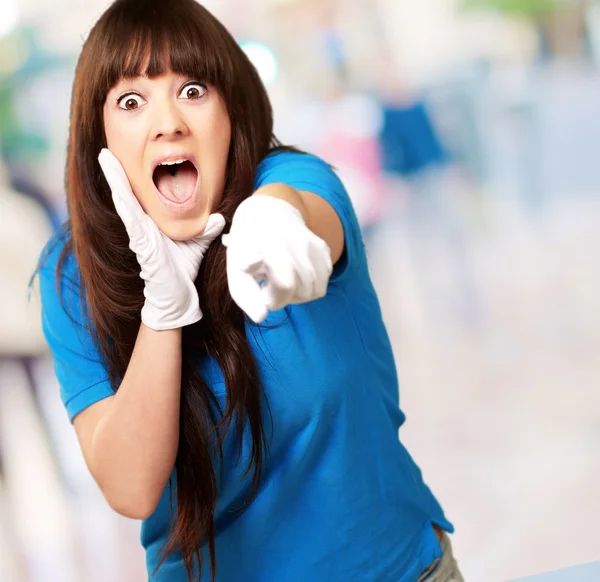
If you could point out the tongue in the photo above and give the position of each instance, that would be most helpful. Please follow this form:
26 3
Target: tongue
179 187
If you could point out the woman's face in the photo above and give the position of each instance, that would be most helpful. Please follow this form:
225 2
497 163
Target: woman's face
171 135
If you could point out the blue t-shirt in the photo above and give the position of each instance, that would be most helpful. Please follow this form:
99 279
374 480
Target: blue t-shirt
341 499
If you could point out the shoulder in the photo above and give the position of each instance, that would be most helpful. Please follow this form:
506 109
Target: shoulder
285 155
298 169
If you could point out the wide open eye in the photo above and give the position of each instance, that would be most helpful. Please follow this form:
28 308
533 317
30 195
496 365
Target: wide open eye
130 101
192 91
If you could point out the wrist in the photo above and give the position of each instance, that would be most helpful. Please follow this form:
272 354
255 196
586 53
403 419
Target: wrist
168 319
147 330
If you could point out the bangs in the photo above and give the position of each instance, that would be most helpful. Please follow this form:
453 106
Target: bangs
153 37
153 41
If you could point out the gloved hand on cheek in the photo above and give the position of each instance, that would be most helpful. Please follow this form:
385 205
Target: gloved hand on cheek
169 268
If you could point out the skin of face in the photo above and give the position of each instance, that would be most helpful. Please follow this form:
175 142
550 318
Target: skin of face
145 119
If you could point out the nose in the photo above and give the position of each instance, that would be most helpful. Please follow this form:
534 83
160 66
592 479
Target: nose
168 123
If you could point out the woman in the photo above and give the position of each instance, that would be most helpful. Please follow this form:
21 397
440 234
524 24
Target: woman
240 398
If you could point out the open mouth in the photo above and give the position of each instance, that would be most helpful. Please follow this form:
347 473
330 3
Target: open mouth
176 181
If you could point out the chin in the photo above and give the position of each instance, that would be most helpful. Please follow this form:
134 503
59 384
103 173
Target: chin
184 229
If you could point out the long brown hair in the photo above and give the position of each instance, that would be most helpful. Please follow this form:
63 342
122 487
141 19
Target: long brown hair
184 37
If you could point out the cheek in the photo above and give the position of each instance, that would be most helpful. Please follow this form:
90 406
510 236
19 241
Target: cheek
216 151
220 157
220 129
223 146
122 137
121 141
113 131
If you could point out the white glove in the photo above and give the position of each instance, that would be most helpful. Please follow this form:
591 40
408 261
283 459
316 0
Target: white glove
273 259
168 267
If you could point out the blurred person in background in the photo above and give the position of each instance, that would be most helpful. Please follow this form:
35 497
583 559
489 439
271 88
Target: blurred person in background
257 436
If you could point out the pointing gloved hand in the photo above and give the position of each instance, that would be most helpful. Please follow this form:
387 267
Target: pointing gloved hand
169 268
273 259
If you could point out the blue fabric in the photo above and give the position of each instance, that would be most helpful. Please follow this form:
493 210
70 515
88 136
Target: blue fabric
82 376
341 498
409 142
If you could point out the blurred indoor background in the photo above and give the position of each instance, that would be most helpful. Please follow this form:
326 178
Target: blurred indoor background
467 133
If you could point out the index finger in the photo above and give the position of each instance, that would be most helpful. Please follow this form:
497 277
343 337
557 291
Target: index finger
246 292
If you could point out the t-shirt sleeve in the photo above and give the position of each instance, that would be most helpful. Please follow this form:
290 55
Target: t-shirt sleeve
310 173
78 365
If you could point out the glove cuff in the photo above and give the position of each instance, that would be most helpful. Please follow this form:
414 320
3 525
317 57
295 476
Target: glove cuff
263 208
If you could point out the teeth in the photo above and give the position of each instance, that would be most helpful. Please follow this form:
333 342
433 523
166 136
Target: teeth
174 162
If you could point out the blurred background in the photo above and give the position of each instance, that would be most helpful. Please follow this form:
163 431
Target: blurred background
467 134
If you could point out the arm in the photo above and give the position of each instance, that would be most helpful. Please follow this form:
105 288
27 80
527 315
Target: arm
286 237
130 440
281 248
317 213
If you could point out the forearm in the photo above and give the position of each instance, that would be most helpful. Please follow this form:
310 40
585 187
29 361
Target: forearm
135 443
